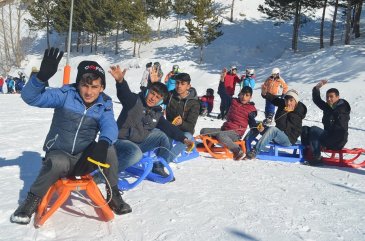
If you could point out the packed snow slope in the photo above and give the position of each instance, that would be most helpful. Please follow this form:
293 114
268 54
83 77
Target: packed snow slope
210 199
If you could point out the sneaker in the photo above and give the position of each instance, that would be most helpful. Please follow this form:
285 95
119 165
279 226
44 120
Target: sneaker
251 155
24 212
117 203
238 155
267 121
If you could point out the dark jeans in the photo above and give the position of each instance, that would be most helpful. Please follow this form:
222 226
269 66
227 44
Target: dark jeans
58 164
225 137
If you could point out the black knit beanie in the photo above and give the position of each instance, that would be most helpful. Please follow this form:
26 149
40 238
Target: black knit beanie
90 67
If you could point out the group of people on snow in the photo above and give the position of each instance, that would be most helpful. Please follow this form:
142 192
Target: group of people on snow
163 121
14 85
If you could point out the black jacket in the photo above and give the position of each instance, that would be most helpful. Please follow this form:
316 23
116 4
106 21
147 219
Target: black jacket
137 120
335 121
188 108
289 122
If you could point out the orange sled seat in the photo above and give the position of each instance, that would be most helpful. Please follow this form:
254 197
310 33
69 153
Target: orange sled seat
215 149
63 188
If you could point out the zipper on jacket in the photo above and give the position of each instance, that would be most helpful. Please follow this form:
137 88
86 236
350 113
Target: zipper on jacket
77 131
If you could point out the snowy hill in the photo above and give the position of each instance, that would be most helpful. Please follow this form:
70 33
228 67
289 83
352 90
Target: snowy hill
210 199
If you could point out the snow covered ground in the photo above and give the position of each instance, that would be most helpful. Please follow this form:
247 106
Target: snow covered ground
210 199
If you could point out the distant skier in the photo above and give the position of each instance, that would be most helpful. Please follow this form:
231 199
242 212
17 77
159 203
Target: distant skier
273 85
230 79
248 79
169 79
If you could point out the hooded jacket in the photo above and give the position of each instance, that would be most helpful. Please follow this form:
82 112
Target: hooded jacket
188 108
137 120
335 121
74 127
289 122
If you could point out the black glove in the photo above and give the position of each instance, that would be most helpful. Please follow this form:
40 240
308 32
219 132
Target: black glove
97 151
49 65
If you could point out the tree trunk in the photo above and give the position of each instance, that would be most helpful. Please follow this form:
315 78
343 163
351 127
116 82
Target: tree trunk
357 16
11 30
134 48
177 25
139 50
321 45
159 29
333 24
232 7
66 38
19 53
96 42
78 41
92 43
201 54
47 29
348 23
116 40
296 25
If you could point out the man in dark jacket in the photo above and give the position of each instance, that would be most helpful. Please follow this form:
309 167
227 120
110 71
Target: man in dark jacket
82 110
336 117
288 118
141 121
182 110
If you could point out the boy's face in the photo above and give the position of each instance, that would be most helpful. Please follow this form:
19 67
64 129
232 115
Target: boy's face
290 103
332 98
90 92
153 98
244 98
182 87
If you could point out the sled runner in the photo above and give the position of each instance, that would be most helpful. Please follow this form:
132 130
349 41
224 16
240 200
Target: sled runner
143 170
344 158
63 188
216 149
275 152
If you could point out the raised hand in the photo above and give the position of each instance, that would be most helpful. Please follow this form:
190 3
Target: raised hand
263 89
49 65
321 83
154 75
117 73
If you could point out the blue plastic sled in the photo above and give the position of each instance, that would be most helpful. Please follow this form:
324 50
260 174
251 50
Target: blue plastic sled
276 152
142 170
185 156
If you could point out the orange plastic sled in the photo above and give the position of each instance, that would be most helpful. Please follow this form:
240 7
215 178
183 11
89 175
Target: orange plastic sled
216 149
337 157
63 188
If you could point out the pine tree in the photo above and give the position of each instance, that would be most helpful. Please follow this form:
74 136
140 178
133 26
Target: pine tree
203 29
136 25
41 12
181 8
284 10
159 9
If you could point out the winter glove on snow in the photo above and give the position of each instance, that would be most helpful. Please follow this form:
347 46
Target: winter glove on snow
49 65
97 151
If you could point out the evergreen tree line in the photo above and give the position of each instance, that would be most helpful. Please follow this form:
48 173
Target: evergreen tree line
300 10
94 19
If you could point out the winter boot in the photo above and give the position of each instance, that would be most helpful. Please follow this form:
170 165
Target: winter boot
117 203
314 161
158 168
24 212
252 154
238 154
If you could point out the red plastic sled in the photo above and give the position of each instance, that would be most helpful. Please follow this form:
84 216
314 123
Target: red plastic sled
338 157
216 149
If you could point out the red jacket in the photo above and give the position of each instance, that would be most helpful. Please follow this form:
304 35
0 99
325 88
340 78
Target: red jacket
230 82
1 81
239 116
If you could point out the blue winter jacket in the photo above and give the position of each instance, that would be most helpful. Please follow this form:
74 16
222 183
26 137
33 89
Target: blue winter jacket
248 81
73 127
